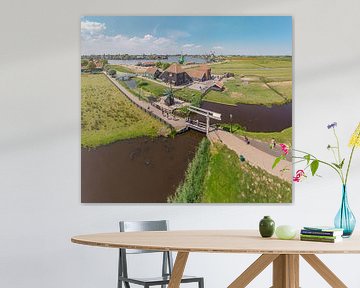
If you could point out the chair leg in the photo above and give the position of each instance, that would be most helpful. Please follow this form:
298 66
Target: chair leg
201 283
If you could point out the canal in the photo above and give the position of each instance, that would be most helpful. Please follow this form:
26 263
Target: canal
145 170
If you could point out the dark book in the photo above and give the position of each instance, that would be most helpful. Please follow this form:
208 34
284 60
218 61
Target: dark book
321 233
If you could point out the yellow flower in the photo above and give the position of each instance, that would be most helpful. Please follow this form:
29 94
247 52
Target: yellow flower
355 138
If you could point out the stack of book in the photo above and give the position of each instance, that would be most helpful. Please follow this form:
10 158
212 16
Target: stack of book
321 234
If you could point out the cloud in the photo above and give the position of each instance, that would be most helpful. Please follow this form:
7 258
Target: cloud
98 43
95 41
176 34
88 27
218 48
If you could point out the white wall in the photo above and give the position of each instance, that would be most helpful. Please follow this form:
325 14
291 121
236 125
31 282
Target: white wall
40 141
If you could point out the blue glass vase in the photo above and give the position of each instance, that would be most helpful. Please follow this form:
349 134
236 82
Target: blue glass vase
345 219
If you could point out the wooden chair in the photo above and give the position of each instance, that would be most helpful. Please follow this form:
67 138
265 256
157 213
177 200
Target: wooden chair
167 262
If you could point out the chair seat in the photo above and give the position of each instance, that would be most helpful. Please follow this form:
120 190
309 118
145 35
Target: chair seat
158 280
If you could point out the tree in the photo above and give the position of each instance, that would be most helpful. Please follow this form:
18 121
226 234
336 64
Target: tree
165 65
112 72
91 65
84 62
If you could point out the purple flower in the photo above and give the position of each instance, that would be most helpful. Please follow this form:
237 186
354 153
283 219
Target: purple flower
332 125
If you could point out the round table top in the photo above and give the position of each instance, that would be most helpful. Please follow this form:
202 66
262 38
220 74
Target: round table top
217 241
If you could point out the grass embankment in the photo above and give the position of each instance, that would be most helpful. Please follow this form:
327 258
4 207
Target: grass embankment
146 88
120 68
230 181
107 115
257 80
284 136
216 175
190 191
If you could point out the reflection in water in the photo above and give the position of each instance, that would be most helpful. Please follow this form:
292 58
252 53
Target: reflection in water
141 170
257 118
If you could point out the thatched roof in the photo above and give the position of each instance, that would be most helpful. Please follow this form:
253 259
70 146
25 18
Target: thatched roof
175 68
152 70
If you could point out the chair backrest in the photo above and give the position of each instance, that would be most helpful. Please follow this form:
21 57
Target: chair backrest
138 226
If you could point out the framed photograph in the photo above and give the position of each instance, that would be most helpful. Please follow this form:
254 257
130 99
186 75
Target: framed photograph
186 109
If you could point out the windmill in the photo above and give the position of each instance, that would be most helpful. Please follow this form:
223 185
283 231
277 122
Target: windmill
181 59
169 100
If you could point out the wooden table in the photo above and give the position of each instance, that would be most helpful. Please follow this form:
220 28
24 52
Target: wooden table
284 254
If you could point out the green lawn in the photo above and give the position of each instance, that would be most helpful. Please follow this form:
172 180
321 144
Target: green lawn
284 136
276 72
216 175
230 181
238 92
189 95
284 88
120 68
108 116
151 87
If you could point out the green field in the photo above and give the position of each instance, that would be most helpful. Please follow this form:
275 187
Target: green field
120 68
108 116
284 136
216 175
150 88
230 181
251 93
189 95
257 80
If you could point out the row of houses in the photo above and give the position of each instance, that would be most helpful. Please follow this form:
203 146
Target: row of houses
176 75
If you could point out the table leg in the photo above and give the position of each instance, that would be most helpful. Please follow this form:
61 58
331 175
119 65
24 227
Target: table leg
253 270
286 271
324 271
178 269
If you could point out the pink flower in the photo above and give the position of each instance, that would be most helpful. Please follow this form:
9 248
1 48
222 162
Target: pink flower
300 174
284 148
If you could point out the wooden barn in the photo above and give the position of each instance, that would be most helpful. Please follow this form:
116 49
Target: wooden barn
175 75
202 73
217 86
152 72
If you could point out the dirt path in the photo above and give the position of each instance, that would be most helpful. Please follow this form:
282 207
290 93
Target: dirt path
177 123
253 155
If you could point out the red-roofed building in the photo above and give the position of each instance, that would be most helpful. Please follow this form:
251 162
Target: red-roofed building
218 86
152 72
202 73
175 75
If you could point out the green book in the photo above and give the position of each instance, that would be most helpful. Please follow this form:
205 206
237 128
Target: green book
319 236
325 240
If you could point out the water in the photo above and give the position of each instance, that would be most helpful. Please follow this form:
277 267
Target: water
140 170
256 118
170 60
145 170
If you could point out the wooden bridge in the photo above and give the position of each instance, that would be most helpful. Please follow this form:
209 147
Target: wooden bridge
204 127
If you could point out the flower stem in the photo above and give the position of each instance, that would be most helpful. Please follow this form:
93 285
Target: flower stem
348 167
350 159
323 162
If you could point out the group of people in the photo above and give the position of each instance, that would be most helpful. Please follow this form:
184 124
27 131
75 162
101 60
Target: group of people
272 143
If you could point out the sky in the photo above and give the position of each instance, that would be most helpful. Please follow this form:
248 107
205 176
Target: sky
223 35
